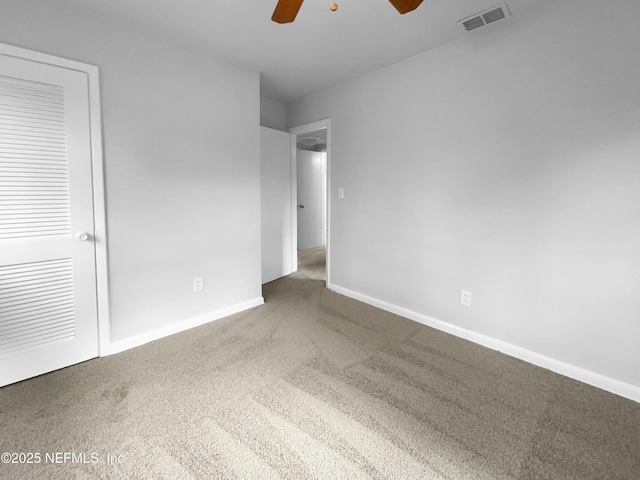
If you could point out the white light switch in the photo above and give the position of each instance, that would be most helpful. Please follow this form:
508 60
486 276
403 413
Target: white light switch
340 192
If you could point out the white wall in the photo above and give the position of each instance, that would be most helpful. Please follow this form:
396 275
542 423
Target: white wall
181 136
277 206
273 114
507 164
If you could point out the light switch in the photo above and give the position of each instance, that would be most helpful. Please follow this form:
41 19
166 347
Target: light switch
340 192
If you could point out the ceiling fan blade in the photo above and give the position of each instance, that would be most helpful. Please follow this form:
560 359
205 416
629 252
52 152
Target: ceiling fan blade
404 6
286 11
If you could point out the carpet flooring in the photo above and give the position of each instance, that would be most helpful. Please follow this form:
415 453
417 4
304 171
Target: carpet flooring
314 385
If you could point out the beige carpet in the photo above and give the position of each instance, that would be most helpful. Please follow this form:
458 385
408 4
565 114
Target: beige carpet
316 385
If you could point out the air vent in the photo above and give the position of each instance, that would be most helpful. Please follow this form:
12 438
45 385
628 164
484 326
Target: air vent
485 17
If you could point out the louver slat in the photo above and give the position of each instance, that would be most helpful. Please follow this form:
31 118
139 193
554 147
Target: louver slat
34 179
37 304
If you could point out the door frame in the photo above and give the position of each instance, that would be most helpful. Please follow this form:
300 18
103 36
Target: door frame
97 168
301 130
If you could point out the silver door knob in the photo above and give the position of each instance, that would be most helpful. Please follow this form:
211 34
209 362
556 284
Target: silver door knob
82 236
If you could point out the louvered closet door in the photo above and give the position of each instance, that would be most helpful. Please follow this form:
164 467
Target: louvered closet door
48 317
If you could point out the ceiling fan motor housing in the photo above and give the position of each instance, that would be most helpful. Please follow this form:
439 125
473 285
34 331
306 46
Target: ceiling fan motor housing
286 10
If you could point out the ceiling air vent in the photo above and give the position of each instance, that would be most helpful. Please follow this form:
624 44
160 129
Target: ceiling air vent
485 17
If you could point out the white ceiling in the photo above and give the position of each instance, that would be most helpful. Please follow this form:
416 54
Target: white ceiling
321 48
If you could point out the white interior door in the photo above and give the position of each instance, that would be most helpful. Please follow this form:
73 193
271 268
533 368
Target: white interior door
48 307
310 199
275 183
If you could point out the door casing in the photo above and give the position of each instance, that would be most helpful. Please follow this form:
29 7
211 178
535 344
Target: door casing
99 206
301 130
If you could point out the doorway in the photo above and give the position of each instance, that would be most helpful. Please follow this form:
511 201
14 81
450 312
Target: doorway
310 162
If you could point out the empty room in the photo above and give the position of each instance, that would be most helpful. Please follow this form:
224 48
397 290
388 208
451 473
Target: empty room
382 239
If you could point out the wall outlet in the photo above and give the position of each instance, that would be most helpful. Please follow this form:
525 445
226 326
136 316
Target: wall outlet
198 284
465 298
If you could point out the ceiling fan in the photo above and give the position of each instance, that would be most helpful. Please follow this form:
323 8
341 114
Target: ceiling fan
286 10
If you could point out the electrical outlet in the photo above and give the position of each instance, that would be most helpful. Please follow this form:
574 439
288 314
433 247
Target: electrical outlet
198 284
465 298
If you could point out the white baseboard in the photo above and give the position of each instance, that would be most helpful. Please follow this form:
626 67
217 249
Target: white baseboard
126 344
623 389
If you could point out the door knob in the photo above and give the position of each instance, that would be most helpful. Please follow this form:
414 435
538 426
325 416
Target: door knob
300 206
82 236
